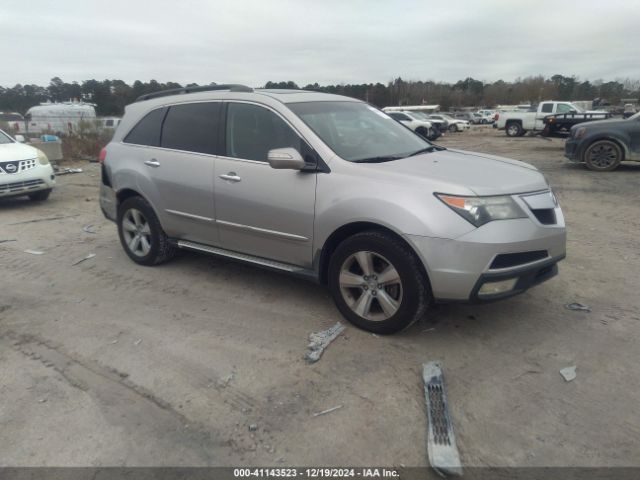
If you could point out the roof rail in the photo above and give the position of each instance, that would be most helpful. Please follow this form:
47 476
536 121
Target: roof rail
233 87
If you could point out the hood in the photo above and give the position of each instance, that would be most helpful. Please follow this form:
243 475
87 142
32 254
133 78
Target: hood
481 174
16 151
608 123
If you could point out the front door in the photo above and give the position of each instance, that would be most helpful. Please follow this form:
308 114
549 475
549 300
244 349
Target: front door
261 211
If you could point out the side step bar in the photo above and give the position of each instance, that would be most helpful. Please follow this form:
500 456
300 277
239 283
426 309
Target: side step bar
243 257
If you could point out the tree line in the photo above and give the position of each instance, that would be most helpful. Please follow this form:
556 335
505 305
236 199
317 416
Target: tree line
111 96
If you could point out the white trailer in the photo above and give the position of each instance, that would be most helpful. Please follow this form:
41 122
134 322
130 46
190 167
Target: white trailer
60 118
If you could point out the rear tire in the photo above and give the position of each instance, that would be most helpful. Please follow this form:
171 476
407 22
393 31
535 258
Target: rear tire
603 156
514 129
453 128
40 196
141 234
377 283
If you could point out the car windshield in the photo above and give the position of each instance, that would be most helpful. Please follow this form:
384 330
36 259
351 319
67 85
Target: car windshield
358 132
4 138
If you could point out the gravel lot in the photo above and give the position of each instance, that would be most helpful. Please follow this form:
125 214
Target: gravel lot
109 363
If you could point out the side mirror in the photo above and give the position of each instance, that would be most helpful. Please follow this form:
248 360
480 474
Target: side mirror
19 138
285 159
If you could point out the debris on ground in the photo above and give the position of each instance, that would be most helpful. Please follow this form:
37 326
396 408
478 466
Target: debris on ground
34 252
137 342
321 340
68 171
441 441
329 410
88 229
253 427
91 255
224 381
568 373
48 219
577 306
8 240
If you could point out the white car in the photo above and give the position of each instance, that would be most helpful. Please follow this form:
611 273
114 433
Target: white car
453 124
24 170
416 123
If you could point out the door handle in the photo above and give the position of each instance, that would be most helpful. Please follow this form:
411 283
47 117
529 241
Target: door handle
152 163
231 176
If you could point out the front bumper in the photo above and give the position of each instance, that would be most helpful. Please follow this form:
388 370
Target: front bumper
458 268
30 181
571 150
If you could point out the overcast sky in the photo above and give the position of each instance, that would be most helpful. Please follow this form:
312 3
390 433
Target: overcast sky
328 41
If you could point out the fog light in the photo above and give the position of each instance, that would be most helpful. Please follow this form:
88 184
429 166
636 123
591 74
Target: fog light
494 288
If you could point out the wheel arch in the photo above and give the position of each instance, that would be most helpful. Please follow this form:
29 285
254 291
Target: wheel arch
350 229
598 138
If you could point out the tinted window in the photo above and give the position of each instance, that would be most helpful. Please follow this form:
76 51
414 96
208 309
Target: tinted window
192 127
252 131
147 131
108 123
547 107
399 116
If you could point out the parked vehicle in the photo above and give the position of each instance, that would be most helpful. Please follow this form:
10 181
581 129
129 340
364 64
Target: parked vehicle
549 118
604 144
14 120
629 110
59 118
471 117
419 125
24 170
453 124
332 189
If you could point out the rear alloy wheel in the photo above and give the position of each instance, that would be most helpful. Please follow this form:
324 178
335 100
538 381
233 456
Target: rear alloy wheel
453 128
376 283
603 156
514 130
141 234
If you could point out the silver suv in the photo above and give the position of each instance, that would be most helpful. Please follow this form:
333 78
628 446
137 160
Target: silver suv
332 189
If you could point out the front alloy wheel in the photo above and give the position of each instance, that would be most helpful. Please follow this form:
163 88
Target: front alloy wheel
370 285
603 156
377 282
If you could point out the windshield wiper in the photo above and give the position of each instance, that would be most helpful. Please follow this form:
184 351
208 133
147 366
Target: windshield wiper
387 158
429 149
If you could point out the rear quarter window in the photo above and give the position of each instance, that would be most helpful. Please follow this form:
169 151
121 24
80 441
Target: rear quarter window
147 130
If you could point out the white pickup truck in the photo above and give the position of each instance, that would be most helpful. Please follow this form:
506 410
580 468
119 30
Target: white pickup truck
548 118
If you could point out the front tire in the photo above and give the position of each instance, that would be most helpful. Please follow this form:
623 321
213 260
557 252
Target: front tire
453 128
377 283
603 156
141 234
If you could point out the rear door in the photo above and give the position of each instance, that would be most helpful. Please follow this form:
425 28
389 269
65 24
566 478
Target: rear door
261 211
179 173
634 138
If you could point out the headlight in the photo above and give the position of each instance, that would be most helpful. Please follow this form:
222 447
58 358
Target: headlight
42 158
481 210
580 132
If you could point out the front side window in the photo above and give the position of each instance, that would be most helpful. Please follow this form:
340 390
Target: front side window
192 127
565 108
253 130
358 132
147 131
4 138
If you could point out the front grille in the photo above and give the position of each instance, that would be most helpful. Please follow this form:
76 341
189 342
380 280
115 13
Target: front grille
16 166
20 186
546 216
506 260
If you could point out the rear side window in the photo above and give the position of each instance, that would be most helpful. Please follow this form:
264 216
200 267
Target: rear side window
547 107
399 116
147 131
252 131
192 127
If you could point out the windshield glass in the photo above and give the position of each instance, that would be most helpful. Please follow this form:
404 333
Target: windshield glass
4 138
357 131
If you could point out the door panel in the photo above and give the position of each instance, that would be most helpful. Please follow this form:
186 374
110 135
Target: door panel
262 211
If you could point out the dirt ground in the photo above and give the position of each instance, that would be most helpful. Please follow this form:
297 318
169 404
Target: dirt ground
109 363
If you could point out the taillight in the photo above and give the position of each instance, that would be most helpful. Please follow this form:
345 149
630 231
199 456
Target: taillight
103 154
